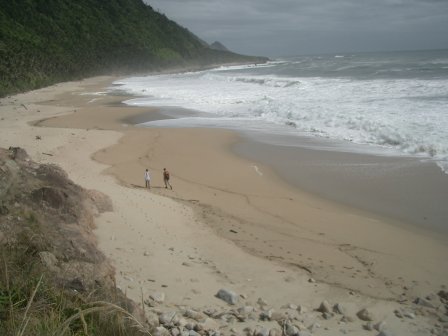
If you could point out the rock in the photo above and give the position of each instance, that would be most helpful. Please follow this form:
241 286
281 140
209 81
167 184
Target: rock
197 316
311 280
248 331
161 331
152 319
212 312
278 316
167 318
193 333
443 294
368 326
314 327
275 332
365 315
175 332
301 309
2 235
259 331
398 313
303 333
385 333
246 310
289 306
347 319
158 297
380 326
409 315
424 303
189 326
291 330
324 307
49 260
339 309
261 302
266 315
209 324
181 322
228 296
327 316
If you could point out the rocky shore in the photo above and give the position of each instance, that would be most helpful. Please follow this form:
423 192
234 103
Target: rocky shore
261 319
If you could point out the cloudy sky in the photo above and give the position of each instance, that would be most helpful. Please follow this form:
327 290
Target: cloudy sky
292 27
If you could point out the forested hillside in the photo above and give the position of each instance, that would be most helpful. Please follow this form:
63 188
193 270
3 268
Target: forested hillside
46 41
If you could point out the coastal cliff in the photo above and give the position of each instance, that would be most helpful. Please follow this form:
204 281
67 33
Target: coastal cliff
44 42
52 275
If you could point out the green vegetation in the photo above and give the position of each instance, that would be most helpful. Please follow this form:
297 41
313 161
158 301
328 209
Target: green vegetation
30 304
48 41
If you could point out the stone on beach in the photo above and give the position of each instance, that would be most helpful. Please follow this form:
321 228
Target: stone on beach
324 307
158 297
228 296
365 315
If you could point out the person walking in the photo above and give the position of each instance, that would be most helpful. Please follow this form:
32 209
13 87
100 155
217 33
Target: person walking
166 179
147 179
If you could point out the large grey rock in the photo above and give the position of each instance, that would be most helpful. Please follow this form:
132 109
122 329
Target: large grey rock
228 296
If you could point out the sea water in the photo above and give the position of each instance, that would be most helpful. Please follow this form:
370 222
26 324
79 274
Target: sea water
395 101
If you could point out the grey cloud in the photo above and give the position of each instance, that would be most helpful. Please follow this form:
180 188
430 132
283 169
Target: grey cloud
278 27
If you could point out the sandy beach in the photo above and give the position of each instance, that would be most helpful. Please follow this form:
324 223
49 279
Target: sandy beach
231 221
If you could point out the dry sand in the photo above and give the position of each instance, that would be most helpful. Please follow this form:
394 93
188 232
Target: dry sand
228 223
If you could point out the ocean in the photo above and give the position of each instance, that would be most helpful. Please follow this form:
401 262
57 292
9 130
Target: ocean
392 103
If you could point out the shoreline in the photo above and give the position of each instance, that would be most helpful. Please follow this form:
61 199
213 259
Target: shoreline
402 190
185 240
265 208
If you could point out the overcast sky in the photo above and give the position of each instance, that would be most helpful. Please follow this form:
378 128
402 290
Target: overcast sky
292 27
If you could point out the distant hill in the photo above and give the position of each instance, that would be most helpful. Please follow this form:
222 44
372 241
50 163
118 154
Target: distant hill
218 46
47 41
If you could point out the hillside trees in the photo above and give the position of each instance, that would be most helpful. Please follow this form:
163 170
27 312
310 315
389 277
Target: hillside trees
46 41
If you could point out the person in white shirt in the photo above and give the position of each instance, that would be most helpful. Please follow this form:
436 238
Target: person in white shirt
147 179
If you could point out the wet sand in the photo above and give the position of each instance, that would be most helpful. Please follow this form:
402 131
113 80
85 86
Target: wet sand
406 190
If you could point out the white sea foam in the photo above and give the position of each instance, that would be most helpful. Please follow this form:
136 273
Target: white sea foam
408 114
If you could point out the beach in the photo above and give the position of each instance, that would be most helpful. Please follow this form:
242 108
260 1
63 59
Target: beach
231 221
